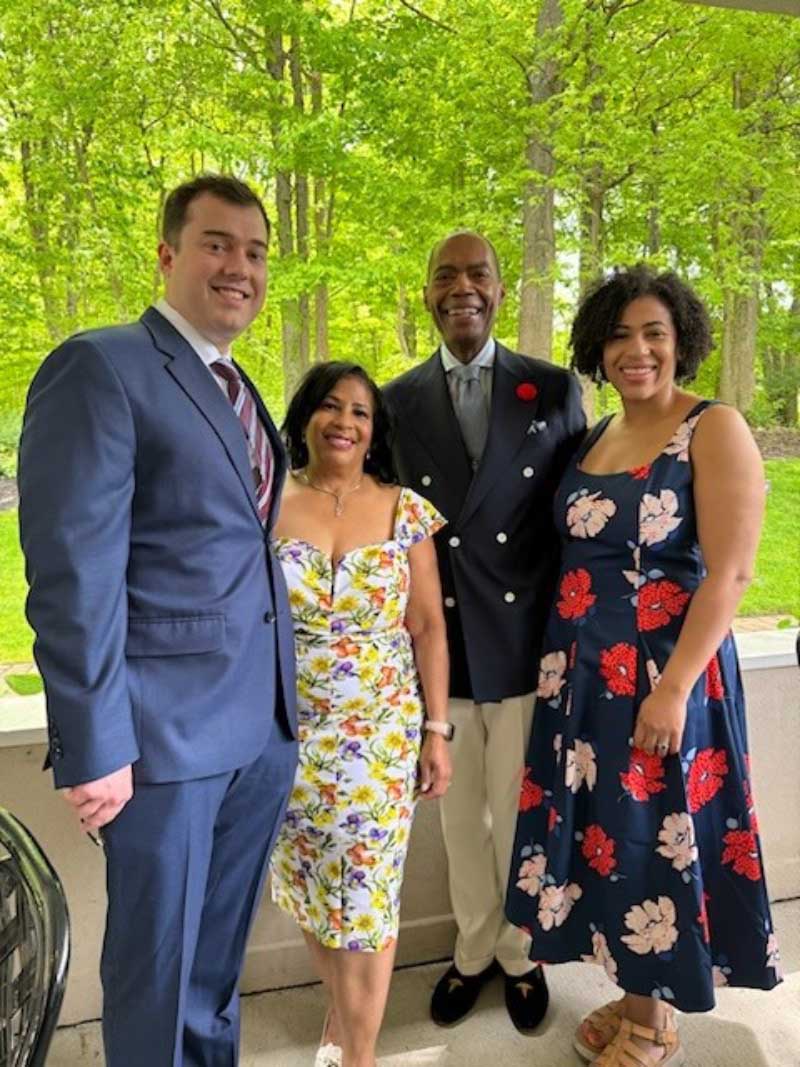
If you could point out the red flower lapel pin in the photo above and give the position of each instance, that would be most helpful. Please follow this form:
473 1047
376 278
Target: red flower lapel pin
526 391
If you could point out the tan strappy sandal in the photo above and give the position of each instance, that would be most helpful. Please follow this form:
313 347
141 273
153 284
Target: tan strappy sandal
624 1052
598 1029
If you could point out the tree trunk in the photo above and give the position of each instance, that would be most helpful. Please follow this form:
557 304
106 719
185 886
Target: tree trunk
321 241
40 240
301 214
538 211
406 325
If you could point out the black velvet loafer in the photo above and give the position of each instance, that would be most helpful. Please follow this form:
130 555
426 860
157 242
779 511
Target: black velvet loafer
527 999
455 994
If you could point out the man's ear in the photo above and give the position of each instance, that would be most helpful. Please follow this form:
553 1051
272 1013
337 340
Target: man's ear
502 296
166 258
425 300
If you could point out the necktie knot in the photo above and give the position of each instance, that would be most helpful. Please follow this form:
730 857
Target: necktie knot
467 372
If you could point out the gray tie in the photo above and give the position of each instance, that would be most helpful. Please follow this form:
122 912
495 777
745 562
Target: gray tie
471 410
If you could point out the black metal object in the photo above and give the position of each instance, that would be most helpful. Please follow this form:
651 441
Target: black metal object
34 947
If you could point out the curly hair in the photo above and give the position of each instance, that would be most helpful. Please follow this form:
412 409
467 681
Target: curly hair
601 309
312 390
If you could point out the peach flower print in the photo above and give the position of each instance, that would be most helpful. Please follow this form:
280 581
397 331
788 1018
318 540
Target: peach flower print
531 873
602 955
773 954
555 904
658 517
677 840
581 766
551 674
681 439
587 516
653 926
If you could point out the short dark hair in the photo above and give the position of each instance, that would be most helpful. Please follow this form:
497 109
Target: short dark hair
312 390
462 233
601 309
224 186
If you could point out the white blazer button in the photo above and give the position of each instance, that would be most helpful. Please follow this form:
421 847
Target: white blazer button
426 479
509 598
528 472
449 602
454 542
502 538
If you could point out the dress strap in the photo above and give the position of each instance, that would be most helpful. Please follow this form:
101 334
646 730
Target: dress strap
591 438
700 407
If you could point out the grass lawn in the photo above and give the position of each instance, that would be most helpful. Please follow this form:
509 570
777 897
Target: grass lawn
775 590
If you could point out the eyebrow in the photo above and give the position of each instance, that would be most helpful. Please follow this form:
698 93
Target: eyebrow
653 322
230 236
470 266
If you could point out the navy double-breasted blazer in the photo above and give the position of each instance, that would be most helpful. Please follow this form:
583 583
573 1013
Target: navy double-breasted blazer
498 555
163 631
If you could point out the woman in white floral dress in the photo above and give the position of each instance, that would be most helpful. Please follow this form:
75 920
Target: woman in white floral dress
364 590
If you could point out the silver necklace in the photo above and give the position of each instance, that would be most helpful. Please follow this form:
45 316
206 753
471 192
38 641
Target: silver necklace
338 497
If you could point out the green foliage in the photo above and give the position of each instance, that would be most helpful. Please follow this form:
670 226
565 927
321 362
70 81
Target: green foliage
776 586
681 121
10 424
24 685
16 638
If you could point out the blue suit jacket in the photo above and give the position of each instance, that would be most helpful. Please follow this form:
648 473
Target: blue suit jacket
163 631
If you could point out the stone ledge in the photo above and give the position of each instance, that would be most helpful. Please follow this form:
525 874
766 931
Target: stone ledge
23 720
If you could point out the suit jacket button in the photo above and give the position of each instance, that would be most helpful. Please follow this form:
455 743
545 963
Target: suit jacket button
501 538
454 542
528 472
509 598
449 601
426 480
269 616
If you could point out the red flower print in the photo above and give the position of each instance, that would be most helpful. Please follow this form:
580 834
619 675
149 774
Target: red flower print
702 918
598 850
658 602
640 473
552 819
715 690
618 668
531 795
526 391
576 595
644 774
741 850
705 776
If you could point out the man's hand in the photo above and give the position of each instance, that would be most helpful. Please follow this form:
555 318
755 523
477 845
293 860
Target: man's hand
98 803
435 767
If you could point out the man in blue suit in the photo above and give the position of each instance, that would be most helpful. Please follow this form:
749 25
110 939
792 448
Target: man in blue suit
150 475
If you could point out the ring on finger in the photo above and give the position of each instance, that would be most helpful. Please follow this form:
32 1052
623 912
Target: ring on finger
662 748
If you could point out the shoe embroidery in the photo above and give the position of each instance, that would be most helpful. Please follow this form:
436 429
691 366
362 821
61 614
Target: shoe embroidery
524 988
453 984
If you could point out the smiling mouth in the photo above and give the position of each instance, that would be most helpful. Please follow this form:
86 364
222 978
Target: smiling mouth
338 441
230 293
462 312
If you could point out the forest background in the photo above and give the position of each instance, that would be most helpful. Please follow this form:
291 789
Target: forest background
577 134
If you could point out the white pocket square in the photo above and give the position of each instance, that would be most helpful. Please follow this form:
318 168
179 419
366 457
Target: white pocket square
537 426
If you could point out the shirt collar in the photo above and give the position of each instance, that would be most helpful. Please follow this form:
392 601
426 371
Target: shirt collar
208 352
485 358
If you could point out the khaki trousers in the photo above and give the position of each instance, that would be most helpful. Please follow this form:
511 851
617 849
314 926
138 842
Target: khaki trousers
479 818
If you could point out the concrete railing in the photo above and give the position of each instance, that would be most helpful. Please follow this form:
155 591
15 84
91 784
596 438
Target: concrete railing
276 955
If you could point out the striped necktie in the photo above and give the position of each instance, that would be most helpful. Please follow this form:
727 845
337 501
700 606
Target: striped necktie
258 446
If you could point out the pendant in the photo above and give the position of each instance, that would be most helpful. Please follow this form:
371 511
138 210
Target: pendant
337 511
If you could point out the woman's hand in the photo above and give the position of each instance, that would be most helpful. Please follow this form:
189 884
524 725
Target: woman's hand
660 722
434 765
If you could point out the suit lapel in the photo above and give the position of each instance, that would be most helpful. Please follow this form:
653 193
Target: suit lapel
194 378
428 411
509 422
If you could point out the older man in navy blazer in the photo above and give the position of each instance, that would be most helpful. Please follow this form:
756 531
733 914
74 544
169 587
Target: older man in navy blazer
484 433
150 474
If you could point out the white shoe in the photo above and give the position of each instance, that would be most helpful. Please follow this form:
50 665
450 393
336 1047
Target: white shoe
328 1056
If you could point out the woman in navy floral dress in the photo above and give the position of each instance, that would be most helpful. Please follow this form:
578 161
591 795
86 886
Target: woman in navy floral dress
637 843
